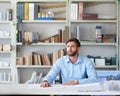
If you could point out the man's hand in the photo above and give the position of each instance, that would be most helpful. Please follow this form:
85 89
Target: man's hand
45 84
73 82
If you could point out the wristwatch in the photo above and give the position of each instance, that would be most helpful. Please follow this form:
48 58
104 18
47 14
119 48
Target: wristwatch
76 81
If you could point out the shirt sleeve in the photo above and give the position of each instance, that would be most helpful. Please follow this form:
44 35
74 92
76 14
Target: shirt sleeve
90 72
52 74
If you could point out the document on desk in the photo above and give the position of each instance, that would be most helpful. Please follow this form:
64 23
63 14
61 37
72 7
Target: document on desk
81 87
60 87
76 88
91 87
53 86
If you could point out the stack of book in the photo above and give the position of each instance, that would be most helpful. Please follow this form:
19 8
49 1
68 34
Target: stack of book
40 59
77 12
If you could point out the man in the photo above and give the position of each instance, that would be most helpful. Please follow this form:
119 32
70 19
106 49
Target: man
74 69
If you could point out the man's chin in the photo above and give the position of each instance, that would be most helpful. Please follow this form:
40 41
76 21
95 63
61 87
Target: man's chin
71 55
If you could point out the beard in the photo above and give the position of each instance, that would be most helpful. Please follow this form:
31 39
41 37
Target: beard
72 54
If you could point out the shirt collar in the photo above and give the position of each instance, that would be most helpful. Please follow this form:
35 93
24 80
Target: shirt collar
78 61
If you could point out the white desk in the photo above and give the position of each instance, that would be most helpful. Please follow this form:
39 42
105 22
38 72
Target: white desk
35 89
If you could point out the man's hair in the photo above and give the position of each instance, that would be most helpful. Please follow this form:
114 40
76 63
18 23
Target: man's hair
74 40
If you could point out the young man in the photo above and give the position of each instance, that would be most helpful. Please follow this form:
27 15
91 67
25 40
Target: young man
74 69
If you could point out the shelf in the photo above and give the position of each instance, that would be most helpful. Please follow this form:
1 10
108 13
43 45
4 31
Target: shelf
44 21
45 44
95 44
6 37
24 66
5 52
111 66
93 1
6 68
93 21
5 1
5 82
41 0
5 22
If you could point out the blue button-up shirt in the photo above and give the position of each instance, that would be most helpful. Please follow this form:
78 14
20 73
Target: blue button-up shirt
83 70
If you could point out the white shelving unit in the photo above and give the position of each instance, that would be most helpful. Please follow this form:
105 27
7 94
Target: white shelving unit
7 34
107 19
45 29
87 27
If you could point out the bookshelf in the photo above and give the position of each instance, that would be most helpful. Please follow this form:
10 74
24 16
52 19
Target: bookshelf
7 42
46 27
48 31
89 46
89 14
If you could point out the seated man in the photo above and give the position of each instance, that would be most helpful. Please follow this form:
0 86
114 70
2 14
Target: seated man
74 68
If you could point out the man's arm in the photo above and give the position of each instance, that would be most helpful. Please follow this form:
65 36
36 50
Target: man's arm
50 77
91 74
72 82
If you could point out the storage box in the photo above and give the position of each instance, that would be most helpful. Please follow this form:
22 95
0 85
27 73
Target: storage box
100 61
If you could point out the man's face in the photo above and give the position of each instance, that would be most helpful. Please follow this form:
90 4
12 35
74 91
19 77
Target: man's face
72 49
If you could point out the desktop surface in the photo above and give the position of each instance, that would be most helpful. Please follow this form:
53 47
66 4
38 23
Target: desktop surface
55 89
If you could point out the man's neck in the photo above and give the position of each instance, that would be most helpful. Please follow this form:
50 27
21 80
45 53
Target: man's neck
73 59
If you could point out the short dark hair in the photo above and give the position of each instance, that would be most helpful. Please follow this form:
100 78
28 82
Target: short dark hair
74 40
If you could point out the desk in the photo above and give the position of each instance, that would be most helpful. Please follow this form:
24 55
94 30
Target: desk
57 89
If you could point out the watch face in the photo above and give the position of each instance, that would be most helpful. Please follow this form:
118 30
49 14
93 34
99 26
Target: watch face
76 81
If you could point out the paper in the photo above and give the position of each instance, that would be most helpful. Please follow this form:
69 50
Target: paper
92 87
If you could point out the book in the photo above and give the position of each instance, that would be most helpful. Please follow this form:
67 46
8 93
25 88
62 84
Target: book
60 35
36 10
51 39
20 12
43 60
6 47
109 38
38 79
74 11
90 16
60 53
31 11
26 11
47 59
39 59
35 59
19 60
32 79
65 34
31 59
26 60
80 10
54 56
